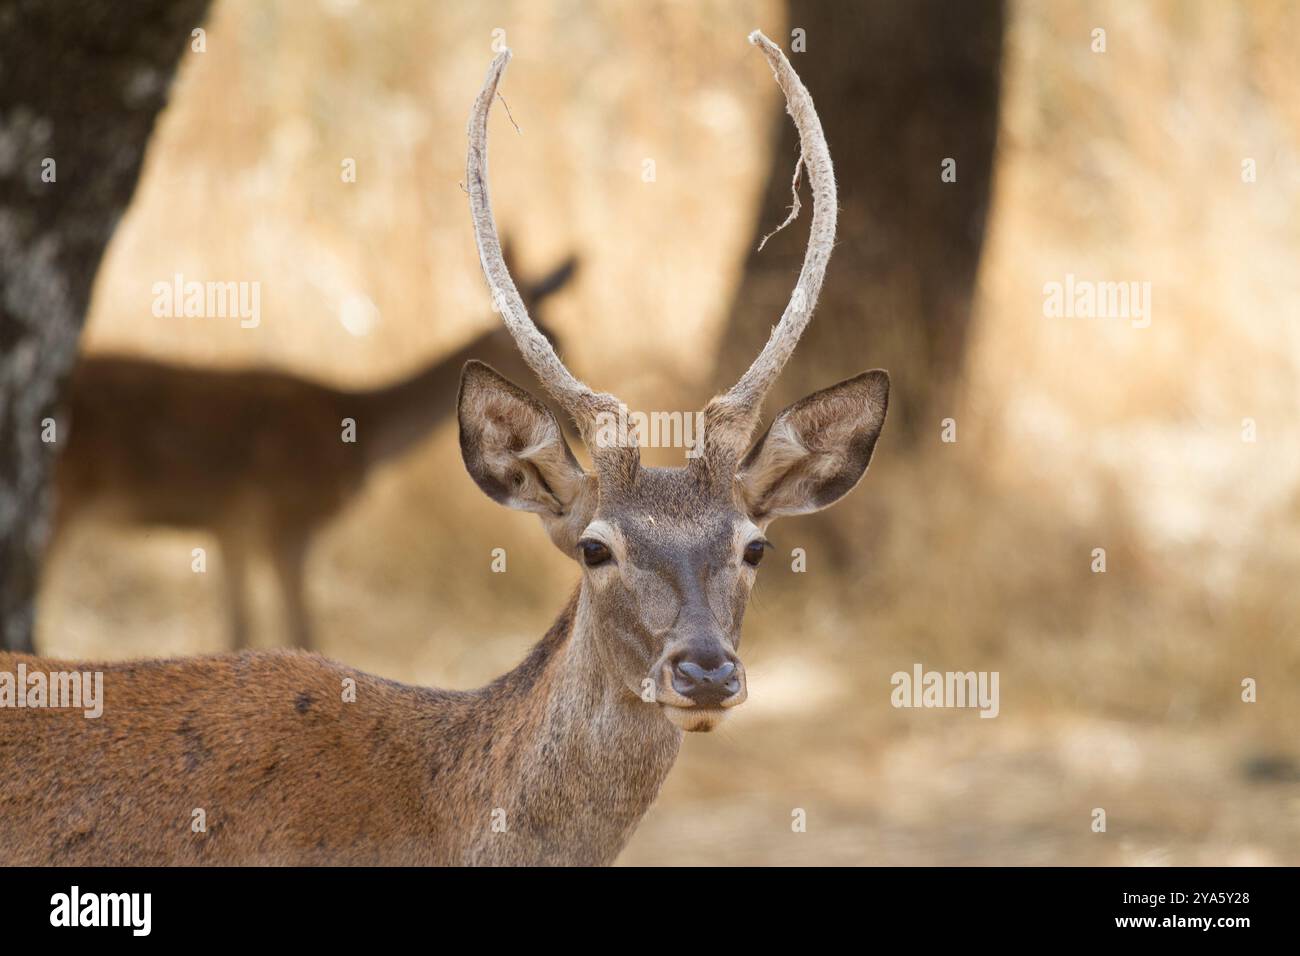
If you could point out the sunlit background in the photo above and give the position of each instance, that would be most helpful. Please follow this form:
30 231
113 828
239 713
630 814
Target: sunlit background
1119 690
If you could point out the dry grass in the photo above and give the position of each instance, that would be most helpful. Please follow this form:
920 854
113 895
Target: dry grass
1120 690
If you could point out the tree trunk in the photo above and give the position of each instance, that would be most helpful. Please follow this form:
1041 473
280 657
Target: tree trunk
900 85
80 87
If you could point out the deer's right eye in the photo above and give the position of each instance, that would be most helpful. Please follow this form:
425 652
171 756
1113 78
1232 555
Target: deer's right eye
593 553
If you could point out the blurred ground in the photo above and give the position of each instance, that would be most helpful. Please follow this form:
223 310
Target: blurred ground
1119 690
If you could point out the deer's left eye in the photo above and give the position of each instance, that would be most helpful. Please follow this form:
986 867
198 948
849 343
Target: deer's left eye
754 552
594 553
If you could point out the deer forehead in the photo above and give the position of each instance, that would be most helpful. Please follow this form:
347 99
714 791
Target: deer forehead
666 497
663 537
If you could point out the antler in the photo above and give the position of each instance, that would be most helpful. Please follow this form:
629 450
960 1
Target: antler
577 399
729 419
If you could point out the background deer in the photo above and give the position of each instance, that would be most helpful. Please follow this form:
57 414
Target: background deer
256 458
556 761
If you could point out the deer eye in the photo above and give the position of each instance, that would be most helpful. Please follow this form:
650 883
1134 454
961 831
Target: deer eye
754 552
593 552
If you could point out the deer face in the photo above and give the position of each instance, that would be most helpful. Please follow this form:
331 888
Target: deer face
667 568
669 556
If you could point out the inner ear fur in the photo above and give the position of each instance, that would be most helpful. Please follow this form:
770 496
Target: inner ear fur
513 447
816 451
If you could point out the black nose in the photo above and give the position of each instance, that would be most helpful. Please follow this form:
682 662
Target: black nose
706 686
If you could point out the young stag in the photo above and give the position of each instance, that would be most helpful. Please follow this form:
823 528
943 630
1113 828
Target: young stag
555 762
254 458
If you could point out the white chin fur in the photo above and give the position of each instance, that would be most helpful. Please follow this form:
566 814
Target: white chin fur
695 720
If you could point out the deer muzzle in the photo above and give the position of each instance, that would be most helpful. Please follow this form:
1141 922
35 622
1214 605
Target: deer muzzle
697 685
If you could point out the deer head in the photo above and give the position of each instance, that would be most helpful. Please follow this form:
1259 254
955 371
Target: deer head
668 555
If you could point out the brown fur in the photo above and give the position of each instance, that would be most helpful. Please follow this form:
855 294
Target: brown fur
287 773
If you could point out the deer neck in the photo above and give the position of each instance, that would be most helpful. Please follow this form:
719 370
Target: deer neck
577 757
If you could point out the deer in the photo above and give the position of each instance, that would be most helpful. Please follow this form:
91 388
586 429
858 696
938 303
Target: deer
290 758
256 458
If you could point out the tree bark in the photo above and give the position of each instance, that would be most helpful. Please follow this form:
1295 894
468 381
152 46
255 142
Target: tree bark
900 86
81 84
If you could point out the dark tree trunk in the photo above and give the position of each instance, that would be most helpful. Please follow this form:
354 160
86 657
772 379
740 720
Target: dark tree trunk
81 84
900 85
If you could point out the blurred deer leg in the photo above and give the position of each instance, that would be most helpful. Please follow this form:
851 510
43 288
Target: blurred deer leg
234 571
290 556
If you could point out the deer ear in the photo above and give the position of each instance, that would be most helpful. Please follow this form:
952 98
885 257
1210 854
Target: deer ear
817 450
513 447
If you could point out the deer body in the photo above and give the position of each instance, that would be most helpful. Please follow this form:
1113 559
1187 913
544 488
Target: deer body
254 458
549 764
558 760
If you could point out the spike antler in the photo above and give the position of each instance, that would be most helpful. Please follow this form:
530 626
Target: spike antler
577 399
729 419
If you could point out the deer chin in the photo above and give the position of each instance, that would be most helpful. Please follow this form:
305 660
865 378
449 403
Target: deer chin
696 720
